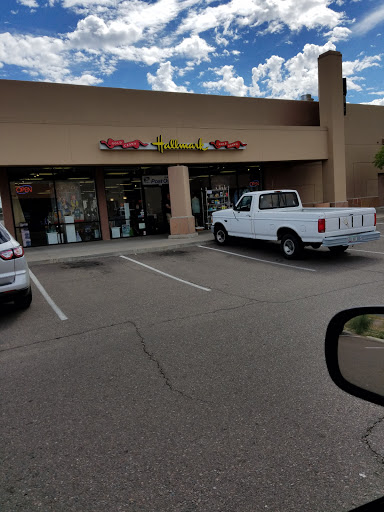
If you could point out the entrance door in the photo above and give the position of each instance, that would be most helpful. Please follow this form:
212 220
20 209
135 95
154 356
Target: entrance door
154 209
35 213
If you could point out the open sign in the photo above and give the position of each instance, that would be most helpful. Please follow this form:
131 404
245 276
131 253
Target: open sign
254 183
23 189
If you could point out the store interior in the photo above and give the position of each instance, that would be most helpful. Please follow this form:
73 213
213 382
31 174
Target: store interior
54 205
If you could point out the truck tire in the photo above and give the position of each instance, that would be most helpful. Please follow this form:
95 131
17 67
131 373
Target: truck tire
220 234
291 246
338 249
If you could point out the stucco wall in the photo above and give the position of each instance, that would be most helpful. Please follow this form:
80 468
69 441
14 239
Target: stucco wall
305 177
37 102
54 124
364 134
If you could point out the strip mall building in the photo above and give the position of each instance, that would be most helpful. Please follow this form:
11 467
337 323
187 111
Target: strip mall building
87 163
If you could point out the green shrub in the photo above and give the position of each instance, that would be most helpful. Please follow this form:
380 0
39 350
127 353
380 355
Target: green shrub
360 324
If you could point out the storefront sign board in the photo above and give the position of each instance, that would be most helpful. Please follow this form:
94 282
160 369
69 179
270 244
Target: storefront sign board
155 180
171 145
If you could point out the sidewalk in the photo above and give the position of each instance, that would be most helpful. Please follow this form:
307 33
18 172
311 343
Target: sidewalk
105 248
101 249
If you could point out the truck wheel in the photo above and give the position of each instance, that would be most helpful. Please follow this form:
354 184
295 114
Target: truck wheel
291 246
221 235
338 249
25 301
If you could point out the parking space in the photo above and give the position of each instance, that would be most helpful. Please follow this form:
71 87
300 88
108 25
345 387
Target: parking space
185 397
90 294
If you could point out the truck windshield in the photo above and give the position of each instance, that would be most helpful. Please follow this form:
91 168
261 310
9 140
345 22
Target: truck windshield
278 200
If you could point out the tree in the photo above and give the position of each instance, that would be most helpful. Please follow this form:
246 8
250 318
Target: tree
379 158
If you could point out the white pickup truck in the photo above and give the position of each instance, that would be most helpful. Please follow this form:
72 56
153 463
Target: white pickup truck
279 215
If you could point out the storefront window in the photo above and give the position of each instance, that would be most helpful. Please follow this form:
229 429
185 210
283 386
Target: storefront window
220 186
125 205
54 205
136 198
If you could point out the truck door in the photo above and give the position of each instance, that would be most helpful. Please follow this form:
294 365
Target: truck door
241 223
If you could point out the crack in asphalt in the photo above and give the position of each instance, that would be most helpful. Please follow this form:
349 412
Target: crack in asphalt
146 351
116 324
295 299
161 370
365 439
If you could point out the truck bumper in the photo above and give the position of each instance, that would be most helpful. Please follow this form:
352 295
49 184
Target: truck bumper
360 238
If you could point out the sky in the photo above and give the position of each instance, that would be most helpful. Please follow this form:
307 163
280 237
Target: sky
247 48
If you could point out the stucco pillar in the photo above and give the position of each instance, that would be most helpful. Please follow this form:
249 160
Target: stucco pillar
6 200
102 204
182 220
331 109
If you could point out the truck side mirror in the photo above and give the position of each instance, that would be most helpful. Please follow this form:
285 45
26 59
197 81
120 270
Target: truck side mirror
354 352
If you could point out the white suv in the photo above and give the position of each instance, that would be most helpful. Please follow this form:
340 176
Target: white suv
15 284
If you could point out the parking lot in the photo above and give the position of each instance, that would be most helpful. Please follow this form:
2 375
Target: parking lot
191 379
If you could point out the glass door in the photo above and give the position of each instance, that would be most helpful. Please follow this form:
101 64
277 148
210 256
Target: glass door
35 212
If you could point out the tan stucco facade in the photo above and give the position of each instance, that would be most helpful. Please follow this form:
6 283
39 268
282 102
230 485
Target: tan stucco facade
364 136
305 145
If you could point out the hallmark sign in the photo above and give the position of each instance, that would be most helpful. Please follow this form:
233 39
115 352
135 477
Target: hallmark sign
172 145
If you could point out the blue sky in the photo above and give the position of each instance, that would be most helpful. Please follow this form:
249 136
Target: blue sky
254 48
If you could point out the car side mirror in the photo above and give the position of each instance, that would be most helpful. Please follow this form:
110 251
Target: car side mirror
354 352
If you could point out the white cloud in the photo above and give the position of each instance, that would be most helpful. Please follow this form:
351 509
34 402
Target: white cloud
194 48
378 93
289 79
295 14
220 39
356 66
229 83
85 79
370 21
45 55
94 33
87 4
163 81
350 67
28 3
376 102
338 34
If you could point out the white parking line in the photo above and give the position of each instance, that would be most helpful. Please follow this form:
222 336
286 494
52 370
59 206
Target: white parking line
167 275
362 250
258 259
41 289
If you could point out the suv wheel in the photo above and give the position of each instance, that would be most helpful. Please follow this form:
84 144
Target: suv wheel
25 301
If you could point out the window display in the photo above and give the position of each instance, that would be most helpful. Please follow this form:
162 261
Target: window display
54 207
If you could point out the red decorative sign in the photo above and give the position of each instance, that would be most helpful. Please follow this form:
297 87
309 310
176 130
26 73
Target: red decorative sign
110 143
172 144
23 189
228 145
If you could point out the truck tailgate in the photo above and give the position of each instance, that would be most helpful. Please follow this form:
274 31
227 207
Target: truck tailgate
349 222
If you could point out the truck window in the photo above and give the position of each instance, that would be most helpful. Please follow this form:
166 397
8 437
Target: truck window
244 205
278 200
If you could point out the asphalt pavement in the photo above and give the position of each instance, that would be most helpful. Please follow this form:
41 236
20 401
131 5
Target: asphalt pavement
190 378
